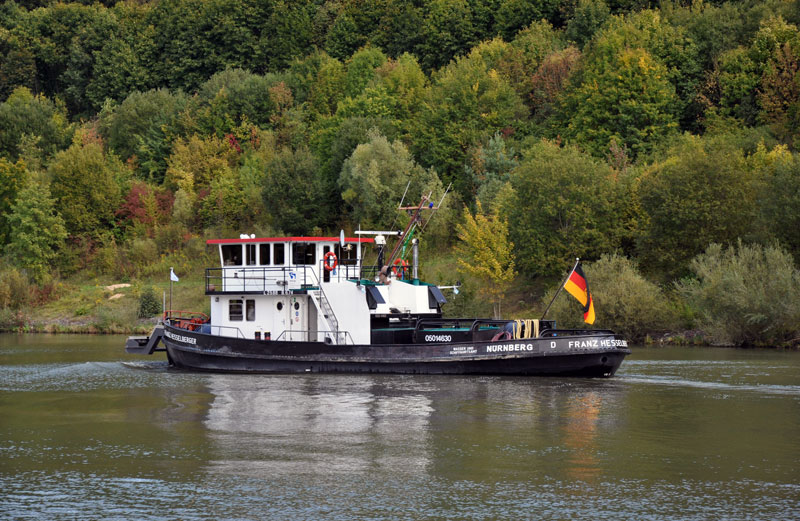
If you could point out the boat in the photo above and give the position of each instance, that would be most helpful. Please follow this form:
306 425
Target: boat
311 305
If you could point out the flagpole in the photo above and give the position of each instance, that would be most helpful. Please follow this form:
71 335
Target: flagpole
170 288
577 261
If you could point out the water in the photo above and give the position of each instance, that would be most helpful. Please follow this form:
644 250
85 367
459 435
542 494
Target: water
88 432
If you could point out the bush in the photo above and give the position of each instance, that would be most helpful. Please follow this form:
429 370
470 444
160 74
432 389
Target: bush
623 301
15 290
745 294
149 305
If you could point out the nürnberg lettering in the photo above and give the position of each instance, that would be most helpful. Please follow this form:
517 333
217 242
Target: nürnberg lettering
507 348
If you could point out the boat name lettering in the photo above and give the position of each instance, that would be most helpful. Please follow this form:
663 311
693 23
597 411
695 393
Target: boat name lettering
509 347
438 338
180 338
596 343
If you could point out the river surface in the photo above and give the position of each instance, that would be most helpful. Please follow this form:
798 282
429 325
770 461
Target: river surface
89 432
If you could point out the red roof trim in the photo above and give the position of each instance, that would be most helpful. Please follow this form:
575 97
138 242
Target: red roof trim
291 239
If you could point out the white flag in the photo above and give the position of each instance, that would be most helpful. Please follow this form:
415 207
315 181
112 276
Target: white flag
172 276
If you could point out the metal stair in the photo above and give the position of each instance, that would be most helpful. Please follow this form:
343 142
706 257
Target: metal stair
324 307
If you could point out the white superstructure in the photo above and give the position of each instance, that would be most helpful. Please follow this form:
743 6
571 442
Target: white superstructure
308 289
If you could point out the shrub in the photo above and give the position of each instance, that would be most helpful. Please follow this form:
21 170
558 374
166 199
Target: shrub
623 300
149 305
745 294
15 290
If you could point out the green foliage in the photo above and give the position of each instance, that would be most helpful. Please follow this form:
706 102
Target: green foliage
196 162
375 176
25 114
565 204
467 103
149 304
745 294
141 128
87 185
588 17
778 200
448 31
623 98
12 178
361 69
292 192
624 301
513 15
37 231
15 289
779 95
486 254
490 166
703 192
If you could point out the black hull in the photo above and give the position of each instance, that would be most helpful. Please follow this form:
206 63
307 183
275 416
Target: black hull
591 355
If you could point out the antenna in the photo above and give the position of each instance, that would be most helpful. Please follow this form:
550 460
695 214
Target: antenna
435 208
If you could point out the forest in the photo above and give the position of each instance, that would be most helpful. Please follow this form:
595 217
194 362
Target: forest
657 141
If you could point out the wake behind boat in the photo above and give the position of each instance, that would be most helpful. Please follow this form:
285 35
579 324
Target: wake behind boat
309 304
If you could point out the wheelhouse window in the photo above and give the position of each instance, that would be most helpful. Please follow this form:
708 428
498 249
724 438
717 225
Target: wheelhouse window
250 254
250 308
263 254
347 255
235 311
231 254
304 253
278 258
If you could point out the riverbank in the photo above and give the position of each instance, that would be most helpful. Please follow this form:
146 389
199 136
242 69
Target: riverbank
103 307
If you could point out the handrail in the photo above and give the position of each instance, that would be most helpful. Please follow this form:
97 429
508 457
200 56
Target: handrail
307 332
583 332
181 314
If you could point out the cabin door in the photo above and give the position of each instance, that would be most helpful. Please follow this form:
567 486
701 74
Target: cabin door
297 314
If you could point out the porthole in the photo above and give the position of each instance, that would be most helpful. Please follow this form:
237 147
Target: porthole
296 305
280 306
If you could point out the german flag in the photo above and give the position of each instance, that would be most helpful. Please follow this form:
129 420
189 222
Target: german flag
577 286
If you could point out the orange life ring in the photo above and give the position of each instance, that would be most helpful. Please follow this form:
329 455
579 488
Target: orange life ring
402 264
326 261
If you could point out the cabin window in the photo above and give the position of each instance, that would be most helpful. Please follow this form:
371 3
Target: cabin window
235 310
250 308
304 253
278 257
347 255
231 254
263 254
250 254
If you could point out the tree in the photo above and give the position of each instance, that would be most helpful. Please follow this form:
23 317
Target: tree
588 17
25 114
448 32
779 96
142 127
195 162
467 103
375 176
564 204
360 69
486 254
12 178
623 98
292 192
37 231
87 185
490 165
778 203
703 192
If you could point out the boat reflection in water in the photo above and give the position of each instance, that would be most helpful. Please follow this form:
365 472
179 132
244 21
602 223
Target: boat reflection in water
283 426
306 425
